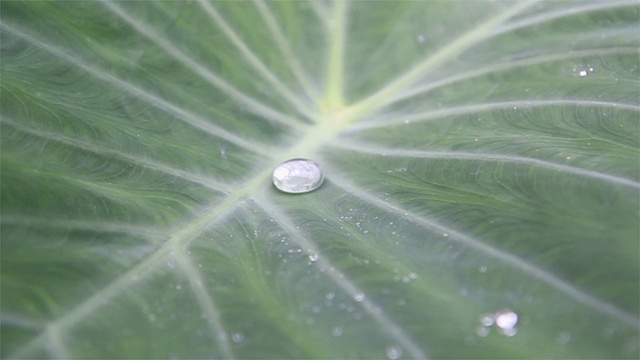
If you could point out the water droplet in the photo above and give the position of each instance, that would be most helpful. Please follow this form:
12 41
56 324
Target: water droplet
482 269
487 320
336 331
237 336
359 297
313 257
420 38
482 331
506 319
564 337
297 176
394 352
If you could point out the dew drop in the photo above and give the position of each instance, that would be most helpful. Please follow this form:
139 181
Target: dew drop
336 331
506 319
564 337
237 337
487 320
359 297
313 257
394 352
482 331
297 176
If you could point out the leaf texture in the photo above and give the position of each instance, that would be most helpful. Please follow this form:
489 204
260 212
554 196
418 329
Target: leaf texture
481 158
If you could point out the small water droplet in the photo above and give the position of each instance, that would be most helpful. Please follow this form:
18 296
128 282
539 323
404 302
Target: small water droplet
394 352
359 297
336 331
487 320
482 331
482 269
313 257
237 336
297 176
420 38
564 337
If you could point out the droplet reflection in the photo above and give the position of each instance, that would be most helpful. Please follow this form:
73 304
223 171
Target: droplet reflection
394 352
297 176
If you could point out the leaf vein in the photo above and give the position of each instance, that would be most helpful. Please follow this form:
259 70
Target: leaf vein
508 258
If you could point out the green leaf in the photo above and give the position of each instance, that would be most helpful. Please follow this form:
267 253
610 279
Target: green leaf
481 162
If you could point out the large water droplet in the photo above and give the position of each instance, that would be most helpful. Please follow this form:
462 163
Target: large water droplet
297 176
507 320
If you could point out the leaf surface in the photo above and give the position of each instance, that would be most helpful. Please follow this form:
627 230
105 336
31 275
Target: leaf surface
481 160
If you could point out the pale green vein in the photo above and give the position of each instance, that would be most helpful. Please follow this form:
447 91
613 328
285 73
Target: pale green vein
320 10
508 65
334 97
20 321
285 49
393 120
480 156
527 268
185 232
278 86
473 37
160 103
211 312
348 286
141 161
55 343
148 232
89 306
569 11
241 98
179 237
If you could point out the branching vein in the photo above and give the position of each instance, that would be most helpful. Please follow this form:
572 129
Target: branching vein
475 243
374 310
242 98
283 45
120 155
257 64
480 156
160 103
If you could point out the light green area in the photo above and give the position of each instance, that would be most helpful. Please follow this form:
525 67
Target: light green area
479 156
